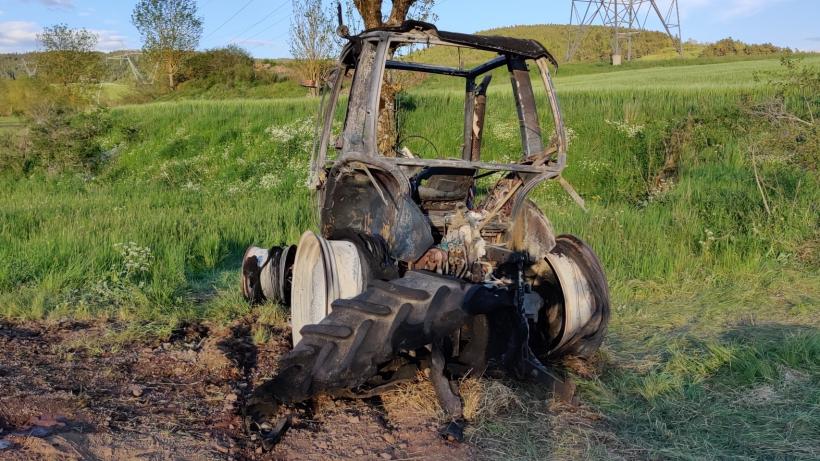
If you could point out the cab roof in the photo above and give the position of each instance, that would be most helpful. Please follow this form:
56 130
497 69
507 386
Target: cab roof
526 48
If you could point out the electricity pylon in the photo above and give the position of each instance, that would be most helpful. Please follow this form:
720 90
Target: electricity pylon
626 18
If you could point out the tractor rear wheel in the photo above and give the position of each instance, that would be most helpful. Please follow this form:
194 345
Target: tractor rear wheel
359 335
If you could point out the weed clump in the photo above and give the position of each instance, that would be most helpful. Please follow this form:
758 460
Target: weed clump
58 139
122 286
786 124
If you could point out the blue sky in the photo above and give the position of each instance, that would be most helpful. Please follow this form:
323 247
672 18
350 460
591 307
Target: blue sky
261 26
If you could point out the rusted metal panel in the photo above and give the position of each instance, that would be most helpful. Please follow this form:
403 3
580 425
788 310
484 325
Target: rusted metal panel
469 115
477 125
555 107
525 104
470 164
357 106
428 33
319 155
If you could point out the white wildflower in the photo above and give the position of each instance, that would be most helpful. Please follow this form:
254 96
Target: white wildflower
191 186
269 181
297 129
630 130
505 131
136 258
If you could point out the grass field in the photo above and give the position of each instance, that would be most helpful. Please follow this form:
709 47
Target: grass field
10 123
714 347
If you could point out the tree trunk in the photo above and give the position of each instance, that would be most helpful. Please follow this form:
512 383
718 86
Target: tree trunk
399 12
171 68
371 12
387 133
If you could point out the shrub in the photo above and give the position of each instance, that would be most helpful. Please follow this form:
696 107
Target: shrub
731 47
790 131
69 55
230 65
57 139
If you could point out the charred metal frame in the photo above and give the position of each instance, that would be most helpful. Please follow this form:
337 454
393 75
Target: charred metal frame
369 55
462 285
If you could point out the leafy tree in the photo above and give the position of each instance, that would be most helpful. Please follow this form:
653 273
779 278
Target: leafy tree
731 47
170 29
312 41
68 55
229 65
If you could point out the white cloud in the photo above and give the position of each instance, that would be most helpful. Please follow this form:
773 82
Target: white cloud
110 40
54 4
18 36
254 43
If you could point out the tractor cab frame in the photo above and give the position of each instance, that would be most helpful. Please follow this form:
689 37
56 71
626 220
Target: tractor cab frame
368 55
410 267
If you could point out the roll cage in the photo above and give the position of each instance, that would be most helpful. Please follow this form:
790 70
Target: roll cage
368 54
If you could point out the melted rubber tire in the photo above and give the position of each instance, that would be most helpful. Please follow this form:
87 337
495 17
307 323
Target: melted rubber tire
347 347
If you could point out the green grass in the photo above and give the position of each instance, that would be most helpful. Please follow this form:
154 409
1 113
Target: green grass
201 90
714 343
193 182
111 94
8 124
720 77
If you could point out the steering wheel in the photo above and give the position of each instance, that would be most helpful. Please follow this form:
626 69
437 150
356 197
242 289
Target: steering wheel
420 137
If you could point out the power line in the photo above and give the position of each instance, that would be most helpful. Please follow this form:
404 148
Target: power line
272 41
265 30
229 19
262 20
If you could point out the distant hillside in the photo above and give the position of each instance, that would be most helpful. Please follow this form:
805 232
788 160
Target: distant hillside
597 46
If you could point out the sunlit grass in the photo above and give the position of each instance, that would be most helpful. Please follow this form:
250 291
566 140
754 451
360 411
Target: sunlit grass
713 345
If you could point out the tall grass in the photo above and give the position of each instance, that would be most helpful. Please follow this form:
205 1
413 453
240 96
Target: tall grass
197 181
713 346
194 182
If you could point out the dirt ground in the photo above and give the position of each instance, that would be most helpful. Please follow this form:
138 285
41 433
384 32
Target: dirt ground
177 398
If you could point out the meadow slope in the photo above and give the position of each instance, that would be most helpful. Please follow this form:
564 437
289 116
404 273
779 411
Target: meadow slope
713 350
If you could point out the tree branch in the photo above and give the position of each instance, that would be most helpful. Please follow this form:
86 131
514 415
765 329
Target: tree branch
399 12
371 11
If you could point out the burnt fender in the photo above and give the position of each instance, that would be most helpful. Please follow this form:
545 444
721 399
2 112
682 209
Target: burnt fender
371 197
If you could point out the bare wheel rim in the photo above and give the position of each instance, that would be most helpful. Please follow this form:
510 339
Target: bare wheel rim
584 304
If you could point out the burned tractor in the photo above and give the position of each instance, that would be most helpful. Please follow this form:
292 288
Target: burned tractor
414 264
